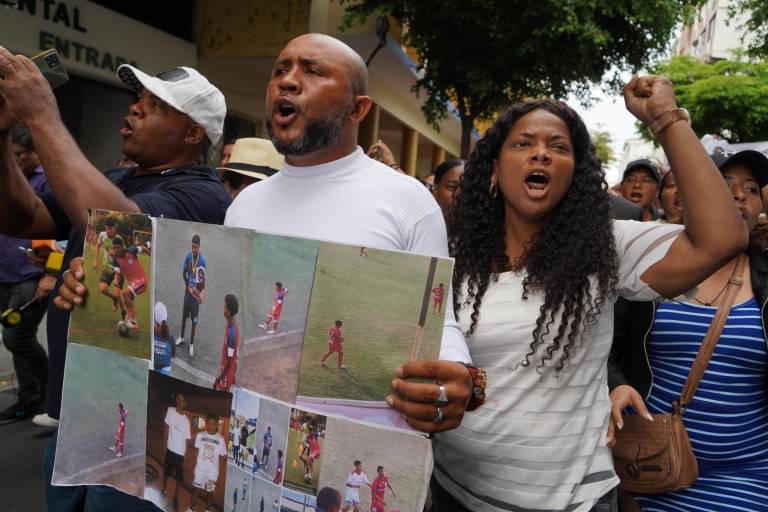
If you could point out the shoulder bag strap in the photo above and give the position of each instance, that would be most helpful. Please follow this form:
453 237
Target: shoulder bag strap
713 335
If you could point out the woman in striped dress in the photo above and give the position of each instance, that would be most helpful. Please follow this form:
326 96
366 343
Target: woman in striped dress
727 421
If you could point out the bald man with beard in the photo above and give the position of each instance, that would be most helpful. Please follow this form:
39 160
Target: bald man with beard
328 189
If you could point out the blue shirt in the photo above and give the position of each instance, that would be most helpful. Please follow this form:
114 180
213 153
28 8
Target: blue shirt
15 267
163 348
193 193
189 272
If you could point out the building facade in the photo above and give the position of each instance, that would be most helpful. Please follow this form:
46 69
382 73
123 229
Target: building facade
233 43
713 35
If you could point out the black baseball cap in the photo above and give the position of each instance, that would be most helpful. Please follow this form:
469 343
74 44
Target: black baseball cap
756 161
645 164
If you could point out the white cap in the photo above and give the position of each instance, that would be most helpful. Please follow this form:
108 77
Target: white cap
161 314
187 91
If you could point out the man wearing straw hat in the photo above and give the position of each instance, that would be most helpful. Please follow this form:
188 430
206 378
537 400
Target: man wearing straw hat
252 160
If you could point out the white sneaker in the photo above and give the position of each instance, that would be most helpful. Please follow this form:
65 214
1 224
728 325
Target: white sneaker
179 341
271 331
263 326
43 420
191 351
112 448
119 454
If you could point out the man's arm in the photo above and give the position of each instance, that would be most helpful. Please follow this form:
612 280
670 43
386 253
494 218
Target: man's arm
22 213
77 184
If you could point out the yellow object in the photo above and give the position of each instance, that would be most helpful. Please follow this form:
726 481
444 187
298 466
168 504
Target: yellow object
54 263
12 317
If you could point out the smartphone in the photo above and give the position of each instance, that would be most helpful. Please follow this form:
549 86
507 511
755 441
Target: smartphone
51 67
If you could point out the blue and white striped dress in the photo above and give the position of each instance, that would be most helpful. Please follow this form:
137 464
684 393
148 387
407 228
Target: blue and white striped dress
728 419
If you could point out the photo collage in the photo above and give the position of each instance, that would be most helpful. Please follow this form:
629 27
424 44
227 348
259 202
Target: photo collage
262 384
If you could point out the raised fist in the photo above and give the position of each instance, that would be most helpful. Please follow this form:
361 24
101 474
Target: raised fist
648 97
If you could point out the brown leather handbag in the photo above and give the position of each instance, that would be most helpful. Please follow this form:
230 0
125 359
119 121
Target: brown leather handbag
656 457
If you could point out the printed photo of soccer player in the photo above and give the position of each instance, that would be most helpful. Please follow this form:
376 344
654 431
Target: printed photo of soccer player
186 444
237 494
103 415
242 428
376 470
369 313
199 271
118 316
270 437
264 495
304 457
279 282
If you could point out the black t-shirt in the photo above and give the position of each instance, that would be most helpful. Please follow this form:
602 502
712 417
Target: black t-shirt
191 193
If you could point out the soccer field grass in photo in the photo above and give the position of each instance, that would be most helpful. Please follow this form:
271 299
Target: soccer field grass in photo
95 324
407 461
298 451
95 381
269 363
379 298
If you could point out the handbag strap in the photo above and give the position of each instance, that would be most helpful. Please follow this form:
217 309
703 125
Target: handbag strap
713 335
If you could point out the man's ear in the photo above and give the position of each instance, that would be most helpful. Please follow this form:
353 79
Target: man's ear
362 105
195 134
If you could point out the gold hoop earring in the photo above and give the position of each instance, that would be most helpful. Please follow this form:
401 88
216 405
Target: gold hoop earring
493 191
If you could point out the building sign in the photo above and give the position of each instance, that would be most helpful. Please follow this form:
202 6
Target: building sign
91 40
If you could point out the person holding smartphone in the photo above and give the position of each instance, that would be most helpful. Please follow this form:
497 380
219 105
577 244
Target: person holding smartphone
19 279
176 116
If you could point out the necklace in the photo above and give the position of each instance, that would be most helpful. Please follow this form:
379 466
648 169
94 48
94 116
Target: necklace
711 302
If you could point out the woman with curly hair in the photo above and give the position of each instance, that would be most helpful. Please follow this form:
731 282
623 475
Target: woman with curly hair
539 265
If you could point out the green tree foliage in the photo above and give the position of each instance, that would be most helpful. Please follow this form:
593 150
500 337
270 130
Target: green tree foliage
602 141
727 97
756 24
482 55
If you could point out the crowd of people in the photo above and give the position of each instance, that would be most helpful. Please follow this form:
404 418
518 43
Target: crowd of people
525 401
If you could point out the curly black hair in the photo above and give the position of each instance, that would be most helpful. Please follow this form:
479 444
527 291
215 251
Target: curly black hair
572 261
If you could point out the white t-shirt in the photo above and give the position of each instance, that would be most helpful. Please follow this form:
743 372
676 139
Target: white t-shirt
236 437
209 448
357 480
354 200
178 431
538 442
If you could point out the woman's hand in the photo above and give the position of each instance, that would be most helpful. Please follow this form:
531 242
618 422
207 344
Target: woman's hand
648 97
417 401
622 397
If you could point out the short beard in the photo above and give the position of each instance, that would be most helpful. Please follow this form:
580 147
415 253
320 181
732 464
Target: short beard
318 134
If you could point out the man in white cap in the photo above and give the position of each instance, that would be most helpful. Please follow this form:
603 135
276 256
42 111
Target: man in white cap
175 118
251 160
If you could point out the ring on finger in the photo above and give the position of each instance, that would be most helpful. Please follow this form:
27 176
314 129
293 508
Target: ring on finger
440 418
442 400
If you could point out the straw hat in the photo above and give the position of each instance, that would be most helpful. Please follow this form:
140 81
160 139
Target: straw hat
254 157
